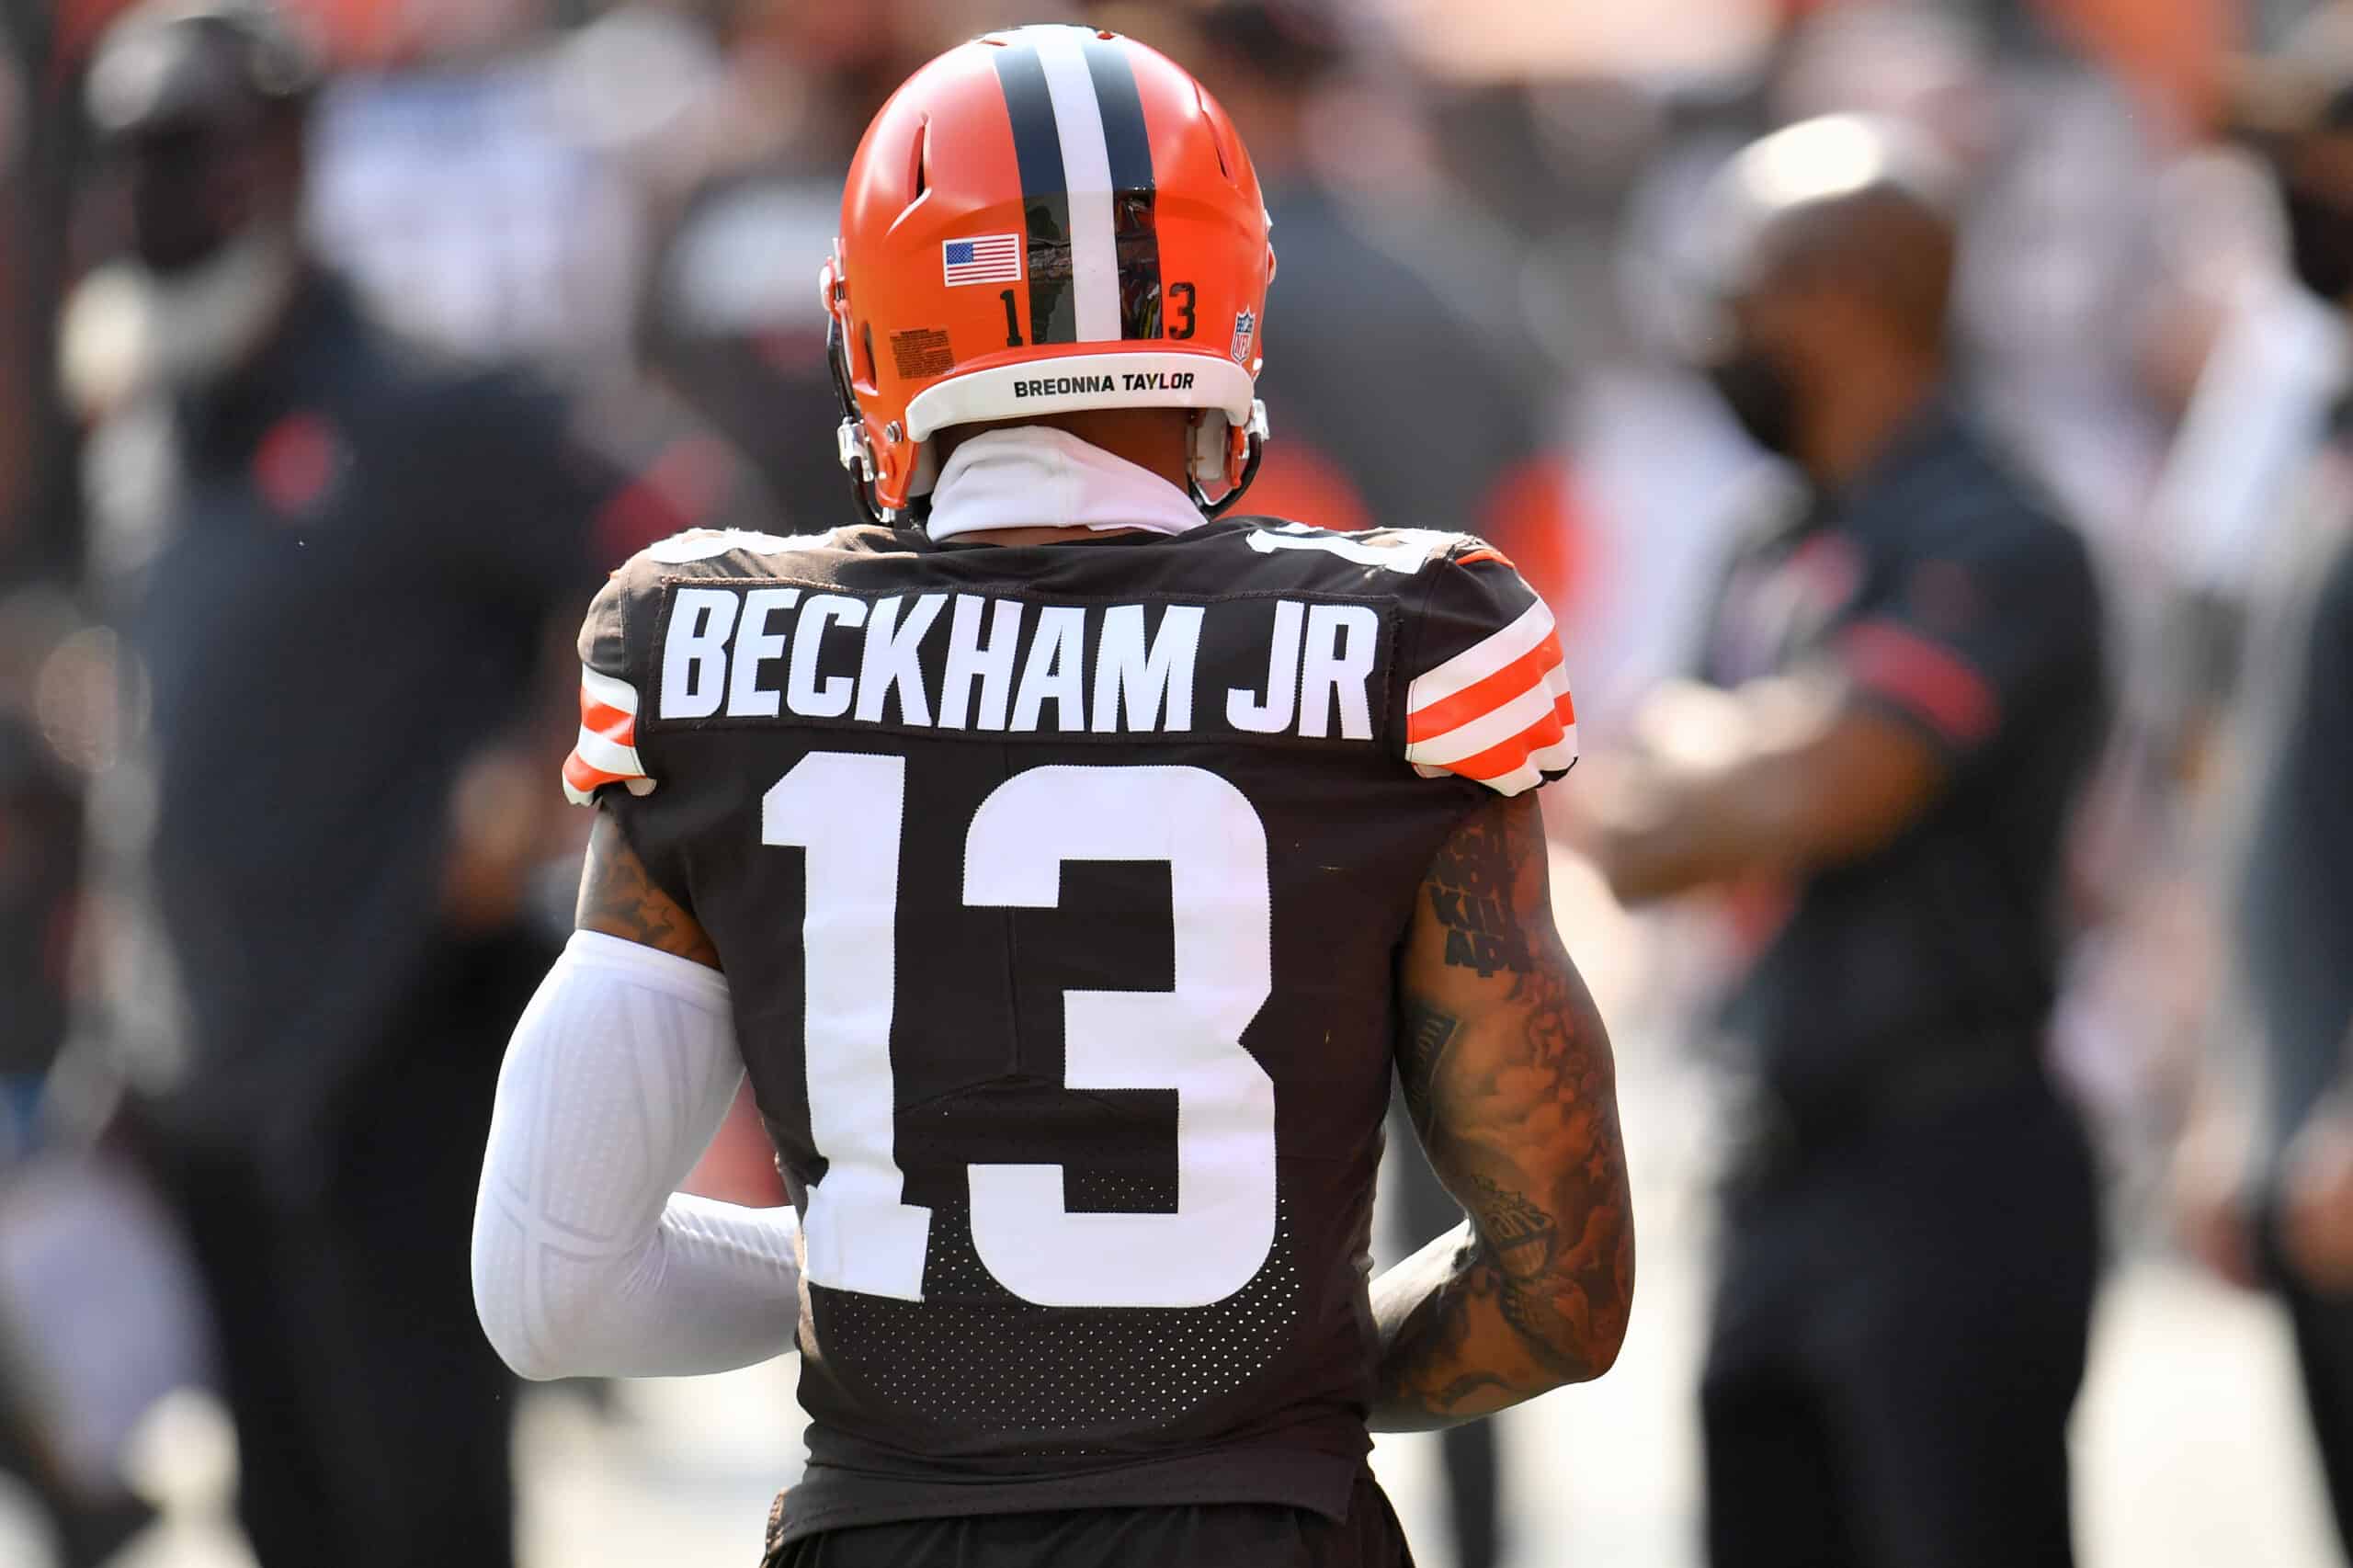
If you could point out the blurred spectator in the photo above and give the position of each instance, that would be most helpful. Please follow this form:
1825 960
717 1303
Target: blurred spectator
87 1504
39 846
751 189
2293 904
40 131
343 573
467 191
1904 694
18 379
732 320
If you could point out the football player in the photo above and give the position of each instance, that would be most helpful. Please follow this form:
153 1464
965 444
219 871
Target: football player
1068 864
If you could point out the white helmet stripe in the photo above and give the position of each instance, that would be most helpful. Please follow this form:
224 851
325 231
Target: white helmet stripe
1086 176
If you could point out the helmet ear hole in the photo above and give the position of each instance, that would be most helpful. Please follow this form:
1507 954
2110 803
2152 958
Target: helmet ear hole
866 354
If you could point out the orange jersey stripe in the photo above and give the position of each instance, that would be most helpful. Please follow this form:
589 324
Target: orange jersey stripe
1498 760
1486 695
1925 677
611 723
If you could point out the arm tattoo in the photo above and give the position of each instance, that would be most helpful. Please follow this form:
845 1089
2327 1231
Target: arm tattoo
1452 1396
1519 1234
1470 890
1514 1098
618 897
1428 1032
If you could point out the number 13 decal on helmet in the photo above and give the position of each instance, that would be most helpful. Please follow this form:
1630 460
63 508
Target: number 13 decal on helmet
1007 228
861 1233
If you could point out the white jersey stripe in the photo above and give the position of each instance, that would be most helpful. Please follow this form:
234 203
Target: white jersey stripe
608 757
605 689
1086 176
1480 660
1403 551
1491 729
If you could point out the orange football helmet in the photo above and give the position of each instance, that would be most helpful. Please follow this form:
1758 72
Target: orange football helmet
1043 220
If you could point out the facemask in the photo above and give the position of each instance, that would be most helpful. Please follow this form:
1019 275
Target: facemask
1762 396
2320 244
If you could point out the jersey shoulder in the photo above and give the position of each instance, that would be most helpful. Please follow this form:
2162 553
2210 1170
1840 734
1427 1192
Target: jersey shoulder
1385 560
1486 692
1487 695
616 635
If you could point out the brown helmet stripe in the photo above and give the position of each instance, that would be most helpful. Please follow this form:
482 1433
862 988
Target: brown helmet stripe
1045 193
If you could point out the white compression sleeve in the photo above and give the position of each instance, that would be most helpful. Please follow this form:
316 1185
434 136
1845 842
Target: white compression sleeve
586 1262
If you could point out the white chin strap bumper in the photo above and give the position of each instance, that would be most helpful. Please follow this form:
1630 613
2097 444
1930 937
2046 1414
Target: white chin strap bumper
1094 380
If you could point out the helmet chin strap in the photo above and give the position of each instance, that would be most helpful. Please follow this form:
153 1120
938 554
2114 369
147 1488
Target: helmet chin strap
856 455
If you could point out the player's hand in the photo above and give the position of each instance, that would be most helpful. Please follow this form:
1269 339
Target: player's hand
497 815
1609 788
2316 1200
2211 1211
2217 1227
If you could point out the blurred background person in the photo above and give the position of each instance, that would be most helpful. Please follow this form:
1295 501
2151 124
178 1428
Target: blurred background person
343 575
1905 693
45 707
455 184
2288 877
744 187
65 1403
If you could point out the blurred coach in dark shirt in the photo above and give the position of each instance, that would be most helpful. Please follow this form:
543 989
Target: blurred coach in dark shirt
338 570
1904 695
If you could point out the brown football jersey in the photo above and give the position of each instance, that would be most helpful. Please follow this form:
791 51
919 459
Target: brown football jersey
1058 891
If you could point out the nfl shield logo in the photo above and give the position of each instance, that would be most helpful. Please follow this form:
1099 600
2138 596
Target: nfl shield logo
1245 326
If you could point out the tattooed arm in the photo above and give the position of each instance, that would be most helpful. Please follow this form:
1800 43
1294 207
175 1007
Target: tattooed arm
1507 1074
618 898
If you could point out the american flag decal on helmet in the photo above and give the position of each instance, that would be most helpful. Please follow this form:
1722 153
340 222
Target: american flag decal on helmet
605 752
1499 711
986 258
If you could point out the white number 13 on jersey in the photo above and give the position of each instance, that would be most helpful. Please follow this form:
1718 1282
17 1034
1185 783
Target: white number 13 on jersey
861 1234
